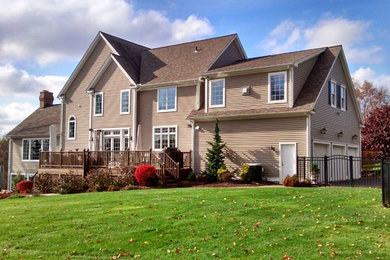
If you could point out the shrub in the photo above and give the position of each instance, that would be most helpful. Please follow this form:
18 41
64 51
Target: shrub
71 183
18 178
184 184
25 186
100 179
244 173
224 175
126 177
146 175
191 176
45 183
113 187
293 181
5 194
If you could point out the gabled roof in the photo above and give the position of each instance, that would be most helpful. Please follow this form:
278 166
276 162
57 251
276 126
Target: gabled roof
307 97
38 123
181 61
268 61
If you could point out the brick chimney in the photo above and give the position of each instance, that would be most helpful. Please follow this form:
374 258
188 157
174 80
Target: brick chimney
45 99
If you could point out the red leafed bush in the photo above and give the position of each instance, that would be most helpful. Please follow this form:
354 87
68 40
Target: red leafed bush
146 175
25 186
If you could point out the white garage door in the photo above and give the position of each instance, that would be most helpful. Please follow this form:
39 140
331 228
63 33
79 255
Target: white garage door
321 150
353 151
338 150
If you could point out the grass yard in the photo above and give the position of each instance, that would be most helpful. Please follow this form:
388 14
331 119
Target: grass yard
257 223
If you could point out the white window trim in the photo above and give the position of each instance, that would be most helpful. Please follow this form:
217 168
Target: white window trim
25 175
335 94
75 127
29 148
285 87
223 93
158 101
121 135
94 104
176 140
345 92
120 102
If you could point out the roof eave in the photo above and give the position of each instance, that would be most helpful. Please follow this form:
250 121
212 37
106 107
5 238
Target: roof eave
250 70
186 82
246 116
296 63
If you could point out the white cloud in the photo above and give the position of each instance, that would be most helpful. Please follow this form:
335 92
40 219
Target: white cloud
15 82
367 73
12 114
352 34
49 31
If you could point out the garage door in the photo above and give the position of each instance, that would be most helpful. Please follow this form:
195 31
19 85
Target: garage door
321 150
353 151
338 150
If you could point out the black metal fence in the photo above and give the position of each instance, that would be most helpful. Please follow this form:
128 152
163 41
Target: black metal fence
386 182
340 170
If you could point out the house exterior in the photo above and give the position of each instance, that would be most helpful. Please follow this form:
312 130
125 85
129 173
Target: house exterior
270 109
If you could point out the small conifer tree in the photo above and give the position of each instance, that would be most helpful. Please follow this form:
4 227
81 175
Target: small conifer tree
214 155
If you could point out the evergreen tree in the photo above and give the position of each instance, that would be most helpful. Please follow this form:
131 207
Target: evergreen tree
214 155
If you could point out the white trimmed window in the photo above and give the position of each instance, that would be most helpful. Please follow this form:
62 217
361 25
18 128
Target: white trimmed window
332 94
125 101
342 97
72 128
217 93
277 87
166 99
32 147
164 136
116 139
99 104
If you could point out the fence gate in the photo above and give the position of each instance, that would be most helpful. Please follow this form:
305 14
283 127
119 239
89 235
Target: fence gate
341 170
386 182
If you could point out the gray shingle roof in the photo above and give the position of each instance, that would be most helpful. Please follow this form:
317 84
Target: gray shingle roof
38 123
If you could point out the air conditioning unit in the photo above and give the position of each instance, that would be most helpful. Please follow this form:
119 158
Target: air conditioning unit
246 90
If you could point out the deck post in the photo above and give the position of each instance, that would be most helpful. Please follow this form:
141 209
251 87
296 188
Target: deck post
83 157
60 157
106 158
128 157
351 170
178 171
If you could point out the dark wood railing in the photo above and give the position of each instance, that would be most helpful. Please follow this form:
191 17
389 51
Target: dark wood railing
109 159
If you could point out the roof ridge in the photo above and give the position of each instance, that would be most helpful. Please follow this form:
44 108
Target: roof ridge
290 52
208 39
122 39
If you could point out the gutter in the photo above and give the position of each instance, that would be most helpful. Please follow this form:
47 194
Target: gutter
185 82
265 115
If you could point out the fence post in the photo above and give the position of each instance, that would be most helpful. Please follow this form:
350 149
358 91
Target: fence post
128 157
61 158
150 155
304 167
326 170
351 169
106 158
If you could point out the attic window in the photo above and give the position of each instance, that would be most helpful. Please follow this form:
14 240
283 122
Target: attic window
72 128
277 87
99 104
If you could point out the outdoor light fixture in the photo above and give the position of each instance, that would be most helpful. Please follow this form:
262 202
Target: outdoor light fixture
340 134
354 137
272 148
323 131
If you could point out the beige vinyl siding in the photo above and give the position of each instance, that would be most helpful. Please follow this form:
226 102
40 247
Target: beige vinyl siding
77 100
258 97
148 117
229 56
111 83
333 119
250 140
301 73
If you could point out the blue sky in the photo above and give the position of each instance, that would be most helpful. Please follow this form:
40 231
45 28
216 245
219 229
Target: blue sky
42 41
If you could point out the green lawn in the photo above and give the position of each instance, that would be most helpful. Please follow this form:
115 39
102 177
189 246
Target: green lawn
258 223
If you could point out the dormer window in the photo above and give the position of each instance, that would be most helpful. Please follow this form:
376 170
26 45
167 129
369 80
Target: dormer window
277 87
332 93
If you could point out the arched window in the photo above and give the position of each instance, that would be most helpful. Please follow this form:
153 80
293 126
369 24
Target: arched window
72 128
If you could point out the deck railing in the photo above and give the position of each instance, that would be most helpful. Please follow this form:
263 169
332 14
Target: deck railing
110 159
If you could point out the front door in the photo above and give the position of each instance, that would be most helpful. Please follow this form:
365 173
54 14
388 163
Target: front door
287 160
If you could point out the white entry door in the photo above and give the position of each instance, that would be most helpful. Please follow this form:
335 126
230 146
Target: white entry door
288 160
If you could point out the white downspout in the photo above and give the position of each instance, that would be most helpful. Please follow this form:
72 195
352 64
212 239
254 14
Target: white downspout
90 121
206 90
62 132
193 145
291 88
10 152
134 125
308 135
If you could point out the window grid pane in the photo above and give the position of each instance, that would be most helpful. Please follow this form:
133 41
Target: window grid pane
125 101
26 149
71 129
164 137
217 93
277 87
35 148
98 104
45 145
166 99
117 144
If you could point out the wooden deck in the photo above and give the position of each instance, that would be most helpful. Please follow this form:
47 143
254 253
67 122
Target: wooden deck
86 160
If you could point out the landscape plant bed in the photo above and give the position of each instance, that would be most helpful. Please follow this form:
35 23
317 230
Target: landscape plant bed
256 223
232 184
